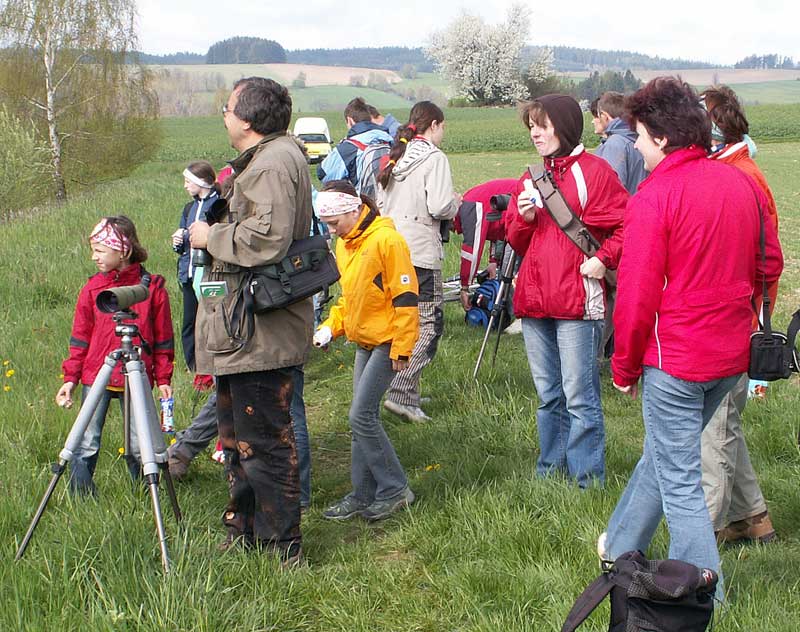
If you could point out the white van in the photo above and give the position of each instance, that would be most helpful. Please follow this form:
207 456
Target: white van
316 136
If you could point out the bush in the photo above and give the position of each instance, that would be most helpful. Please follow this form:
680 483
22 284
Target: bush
23 165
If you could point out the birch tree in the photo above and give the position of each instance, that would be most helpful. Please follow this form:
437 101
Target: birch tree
483 61
65 63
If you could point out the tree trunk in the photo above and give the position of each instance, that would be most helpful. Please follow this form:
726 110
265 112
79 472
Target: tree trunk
52 123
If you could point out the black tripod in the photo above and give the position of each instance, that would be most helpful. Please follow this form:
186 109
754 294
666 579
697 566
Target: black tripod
139 407
499 312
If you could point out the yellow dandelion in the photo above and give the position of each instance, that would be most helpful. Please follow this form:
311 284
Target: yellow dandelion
61 375
10 373
173 441
6 388
433 467
121 450
6 362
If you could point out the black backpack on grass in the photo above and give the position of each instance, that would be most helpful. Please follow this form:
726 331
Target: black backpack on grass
649 595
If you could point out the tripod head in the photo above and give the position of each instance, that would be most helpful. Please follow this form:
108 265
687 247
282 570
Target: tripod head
128 330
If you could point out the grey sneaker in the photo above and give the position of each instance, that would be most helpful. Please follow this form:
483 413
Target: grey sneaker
381 509
345 509
413 414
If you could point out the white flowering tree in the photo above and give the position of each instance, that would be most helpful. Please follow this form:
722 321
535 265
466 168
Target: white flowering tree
483 61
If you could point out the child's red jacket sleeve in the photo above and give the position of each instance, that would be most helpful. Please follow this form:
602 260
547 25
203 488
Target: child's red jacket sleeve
82 328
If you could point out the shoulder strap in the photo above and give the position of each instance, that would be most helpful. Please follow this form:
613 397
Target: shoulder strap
587 602
564 217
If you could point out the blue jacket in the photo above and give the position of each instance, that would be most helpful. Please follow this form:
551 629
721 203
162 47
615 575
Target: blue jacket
618 151
391 124
340 164
188 217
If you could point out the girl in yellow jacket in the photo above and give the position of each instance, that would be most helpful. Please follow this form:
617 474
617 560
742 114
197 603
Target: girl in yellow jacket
378 311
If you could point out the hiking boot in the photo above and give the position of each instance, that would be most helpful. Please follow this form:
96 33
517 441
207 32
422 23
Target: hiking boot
345 509
755 529
235 540
413 414
292 560
178 467
381 509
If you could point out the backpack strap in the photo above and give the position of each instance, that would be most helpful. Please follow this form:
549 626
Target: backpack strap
587 602
564 217
359 145
791 336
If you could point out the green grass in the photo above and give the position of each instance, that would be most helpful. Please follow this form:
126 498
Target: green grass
487 547
778 92
320 98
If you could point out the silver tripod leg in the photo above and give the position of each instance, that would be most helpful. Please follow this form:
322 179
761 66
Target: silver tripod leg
144 423
73 443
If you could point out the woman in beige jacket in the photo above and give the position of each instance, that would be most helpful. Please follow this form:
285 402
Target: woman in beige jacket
416 190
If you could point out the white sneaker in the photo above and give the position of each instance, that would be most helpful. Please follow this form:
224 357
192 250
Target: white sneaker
515 327
413 414
602 549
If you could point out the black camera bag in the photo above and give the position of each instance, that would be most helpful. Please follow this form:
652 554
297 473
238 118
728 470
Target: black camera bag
652 595
309 267
773 355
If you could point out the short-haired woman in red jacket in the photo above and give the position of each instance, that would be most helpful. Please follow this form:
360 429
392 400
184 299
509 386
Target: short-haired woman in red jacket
690 264
560 293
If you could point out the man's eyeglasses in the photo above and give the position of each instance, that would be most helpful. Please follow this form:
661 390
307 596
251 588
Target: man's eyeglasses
225 109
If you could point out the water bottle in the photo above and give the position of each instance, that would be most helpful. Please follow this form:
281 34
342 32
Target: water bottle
167 415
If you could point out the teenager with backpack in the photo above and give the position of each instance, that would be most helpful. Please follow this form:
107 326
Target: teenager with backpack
416 188
358 157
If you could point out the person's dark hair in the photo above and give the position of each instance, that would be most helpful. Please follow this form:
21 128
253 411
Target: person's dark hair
612 103
373 111
533 111
421 117
124 226
358 110
593 108
263 103
670 108
205 171
726 111
345 186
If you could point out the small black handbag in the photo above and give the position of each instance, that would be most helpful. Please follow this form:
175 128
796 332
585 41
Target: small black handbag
309 267
773 355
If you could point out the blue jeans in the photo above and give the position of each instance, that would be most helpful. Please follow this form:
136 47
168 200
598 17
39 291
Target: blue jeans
297 409
375 470
667 479
81 469
562 355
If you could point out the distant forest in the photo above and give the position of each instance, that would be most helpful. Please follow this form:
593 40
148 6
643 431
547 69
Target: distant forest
565 58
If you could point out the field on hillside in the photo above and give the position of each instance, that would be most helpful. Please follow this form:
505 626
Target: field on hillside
487 547
285 73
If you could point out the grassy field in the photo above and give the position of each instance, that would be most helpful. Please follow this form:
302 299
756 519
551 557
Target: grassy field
487 547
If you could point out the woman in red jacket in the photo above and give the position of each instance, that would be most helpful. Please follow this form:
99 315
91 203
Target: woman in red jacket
560 293
689 267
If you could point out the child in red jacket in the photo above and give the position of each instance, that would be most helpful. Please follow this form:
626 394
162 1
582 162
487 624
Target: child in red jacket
118 255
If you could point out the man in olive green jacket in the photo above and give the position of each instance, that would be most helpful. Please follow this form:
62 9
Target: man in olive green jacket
269 207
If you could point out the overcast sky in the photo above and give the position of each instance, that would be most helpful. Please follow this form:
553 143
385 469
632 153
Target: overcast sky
702 30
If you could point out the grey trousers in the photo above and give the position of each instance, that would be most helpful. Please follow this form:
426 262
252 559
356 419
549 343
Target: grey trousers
729 482
405 385
202 431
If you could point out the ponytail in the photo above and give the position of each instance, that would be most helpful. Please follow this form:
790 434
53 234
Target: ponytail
421 117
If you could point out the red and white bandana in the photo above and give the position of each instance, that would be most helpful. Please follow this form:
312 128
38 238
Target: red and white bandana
330 203
104 233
